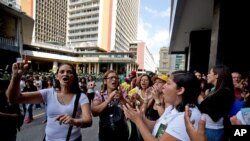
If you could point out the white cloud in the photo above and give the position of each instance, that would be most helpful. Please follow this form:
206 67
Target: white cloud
155 40
165 13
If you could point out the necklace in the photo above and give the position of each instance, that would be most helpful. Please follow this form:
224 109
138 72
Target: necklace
60 99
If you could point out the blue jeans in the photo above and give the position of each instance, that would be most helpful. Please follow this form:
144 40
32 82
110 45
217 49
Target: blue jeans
214 134
30 110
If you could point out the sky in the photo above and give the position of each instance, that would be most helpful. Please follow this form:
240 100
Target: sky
153 27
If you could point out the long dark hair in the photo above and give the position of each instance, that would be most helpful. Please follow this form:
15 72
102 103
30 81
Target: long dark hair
224 80
149 79
74 88
191 84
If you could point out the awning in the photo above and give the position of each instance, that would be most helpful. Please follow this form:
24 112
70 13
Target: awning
186 17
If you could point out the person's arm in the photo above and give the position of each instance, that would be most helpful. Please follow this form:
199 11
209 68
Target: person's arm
13 92
137 117
159 105
98 106
235 121
218 105
195 134
86 118
84 121
149 123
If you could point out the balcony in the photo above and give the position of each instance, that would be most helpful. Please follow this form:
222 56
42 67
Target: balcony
8 44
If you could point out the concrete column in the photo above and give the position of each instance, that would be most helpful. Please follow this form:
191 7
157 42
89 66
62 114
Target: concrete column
116 68
98 68
83 68
95 68
111 66
92 68
77 68
127 69
19 36
89 68
55 67
214 38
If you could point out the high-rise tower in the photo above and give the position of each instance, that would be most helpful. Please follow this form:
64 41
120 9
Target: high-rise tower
50 21
102 25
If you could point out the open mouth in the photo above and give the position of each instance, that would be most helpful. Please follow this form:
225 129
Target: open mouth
114 84
65 79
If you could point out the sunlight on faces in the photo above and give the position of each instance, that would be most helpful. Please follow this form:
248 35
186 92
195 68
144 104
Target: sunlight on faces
144 82
65 75
170 91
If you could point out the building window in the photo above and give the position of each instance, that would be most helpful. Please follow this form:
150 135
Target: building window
164 65
165 55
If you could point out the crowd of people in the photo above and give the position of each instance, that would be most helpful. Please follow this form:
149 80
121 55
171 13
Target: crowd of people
178 106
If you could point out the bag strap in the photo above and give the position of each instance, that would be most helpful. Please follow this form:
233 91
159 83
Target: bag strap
73 115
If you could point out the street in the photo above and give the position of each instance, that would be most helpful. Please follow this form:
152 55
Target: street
35 130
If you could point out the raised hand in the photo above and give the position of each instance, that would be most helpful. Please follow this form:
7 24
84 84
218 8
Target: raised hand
131 113
149 93
156 93
235 121
18 69
195 134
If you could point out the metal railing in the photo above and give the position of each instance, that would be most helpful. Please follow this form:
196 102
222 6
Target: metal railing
7 41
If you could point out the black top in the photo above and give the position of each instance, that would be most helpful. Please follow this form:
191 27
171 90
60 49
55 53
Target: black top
218 105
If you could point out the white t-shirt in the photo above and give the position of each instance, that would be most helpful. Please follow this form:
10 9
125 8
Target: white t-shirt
172 122
38 84
244 116
210 124
55 131
22 85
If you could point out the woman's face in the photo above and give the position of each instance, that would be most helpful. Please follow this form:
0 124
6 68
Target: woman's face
144 82
212 78
65 75
111 81
159 84
170 91
49 82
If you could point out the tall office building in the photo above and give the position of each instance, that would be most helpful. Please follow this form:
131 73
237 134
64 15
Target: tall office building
102 25
164 62
50 20
143 57
92 34
177 62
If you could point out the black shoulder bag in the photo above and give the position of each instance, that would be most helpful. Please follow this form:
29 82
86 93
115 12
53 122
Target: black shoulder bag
73 115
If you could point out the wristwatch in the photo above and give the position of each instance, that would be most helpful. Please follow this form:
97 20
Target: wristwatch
158 103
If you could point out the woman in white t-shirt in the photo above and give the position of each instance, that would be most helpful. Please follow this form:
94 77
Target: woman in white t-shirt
181 88
60 102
